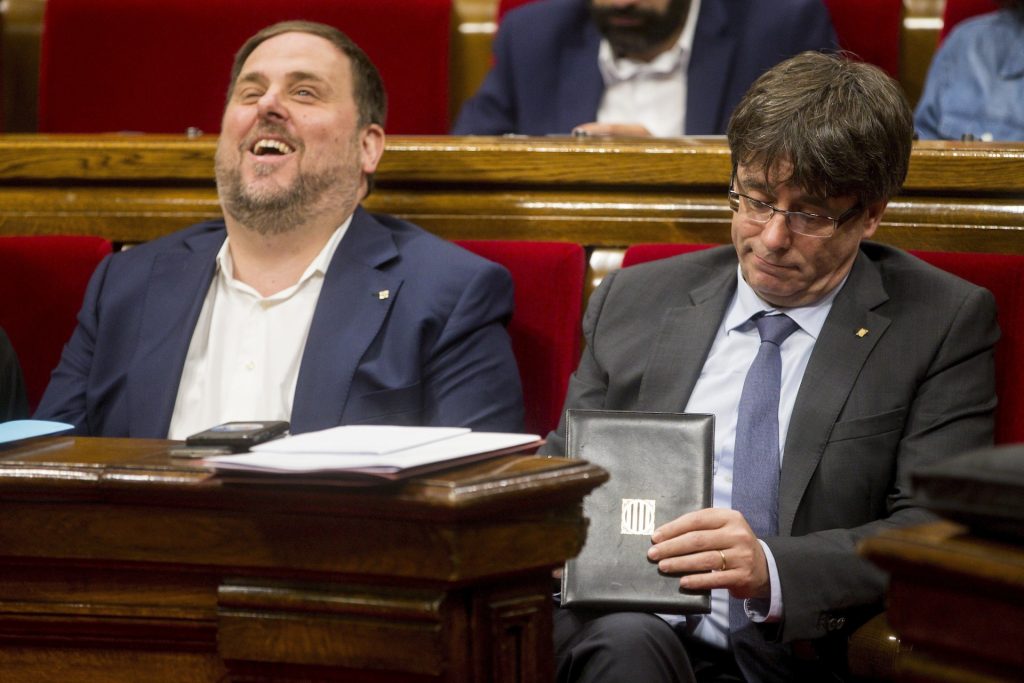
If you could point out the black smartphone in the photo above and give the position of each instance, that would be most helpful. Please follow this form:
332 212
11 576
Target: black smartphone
238 436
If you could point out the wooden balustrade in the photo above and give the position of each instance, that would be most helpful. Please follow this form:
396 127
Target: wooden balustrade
601 193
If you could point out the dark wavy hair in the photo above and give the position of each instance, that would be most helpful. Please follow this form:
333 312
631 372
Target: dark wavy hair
367 85
844 126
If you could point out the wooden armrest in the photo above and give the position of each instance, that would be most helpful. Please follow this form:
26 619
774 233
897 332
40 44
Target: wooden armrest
873 649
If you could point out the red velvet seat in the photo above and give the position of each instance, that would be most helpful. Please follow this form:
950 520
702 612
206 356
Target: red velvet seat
870 29
160 67
505 6
1001 274
545 327
43 280
641 253
956 11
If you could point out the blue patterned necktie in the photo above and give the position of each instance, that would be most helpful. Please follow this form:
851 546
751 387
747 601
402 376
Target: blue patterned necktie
755 470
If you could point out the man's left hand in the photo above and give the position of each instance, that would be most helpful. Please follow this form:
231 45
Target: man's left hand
715 539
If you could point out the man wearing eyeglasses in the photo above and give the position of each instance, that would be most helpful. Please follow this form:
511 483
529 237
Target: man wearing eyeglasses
874 363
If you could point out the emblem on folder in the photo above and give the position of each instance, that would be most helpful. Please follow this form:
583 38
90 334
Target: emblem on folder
637 516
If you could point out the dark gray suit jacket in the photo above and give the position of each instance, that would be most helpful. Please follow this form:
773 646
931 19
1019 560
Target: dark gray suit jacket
918 387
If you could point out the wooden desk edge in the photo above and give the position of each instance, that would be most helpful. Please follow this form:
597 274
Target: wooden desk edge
84 467
948 551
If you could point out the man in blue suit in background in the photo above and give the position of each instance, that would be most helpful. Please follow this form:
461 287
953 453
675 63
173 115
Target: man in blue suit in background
635 67
298 305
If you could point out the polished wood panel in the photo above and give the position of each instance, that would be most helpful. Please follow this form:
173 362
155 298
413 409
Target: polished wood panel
119 562
957 602
601 193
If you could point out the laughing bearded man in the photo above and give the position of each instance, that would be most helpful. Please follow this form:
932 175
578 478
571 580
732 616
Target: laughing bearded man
298 305
635 67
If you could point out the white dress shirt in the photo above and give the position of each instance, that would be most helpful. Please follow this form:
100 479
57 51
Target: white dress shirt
244 357
649 93
717 392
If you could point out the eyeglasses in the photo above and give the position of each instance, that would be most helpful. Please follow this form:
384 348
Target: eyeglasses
801 222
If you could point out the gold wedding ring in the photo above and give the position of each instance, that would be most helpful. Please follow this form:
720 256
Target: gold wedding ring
722 553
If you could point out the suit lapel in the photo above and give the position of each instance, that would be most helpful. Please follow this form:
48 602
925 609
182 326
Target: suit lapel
353 304
836 362
681 346
581 86
714 49
172 300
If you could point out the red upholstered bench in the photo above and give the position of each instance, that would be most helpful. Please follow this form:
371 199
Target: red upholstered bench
640 253
870 29
1001 274
43 280
545 327
956 11
160 67
506 6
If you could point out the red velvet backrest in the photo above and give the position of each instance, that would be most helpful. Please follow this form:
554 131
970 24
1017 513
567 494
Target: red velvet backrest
505 6
42 282
870 29
641 253
160 66
1001 274
545 327
956 11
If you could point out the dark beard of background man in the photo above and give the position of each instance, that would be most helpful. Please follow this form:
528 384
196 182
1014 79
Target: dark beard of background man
282 211
653 29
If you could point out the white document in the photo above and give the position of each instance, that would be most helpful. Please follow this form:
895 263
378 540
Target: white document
364 439
425 451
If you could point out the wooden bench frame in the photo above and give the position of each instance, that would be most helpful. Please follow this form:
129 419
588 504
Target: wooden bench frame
599 193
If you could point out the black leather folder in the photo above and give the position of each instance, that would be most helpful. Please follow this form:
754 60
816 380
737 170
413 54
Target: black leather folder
661 467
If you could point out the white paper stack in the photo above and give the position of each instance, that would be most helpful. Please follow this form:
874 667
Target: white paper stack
373 450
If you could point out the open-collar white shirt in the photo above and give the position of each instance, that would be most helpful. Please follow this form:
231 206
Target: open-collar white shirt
244 357
650 93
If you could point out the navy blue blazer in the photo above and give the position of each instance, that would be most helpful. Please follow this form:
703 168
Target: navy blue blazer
13 402
433 352
545 78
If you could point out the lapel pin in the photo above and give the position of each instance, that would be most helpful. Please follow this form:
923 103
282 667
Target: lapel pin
383 294
862 332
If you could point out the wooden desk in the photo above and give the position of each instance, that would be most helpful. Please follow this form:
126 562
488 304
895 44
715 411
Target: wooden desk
956 600
119 563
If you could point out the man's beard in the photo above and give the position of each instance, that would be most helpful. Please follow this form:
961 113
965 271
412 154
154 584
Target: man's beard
281 210
653 29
